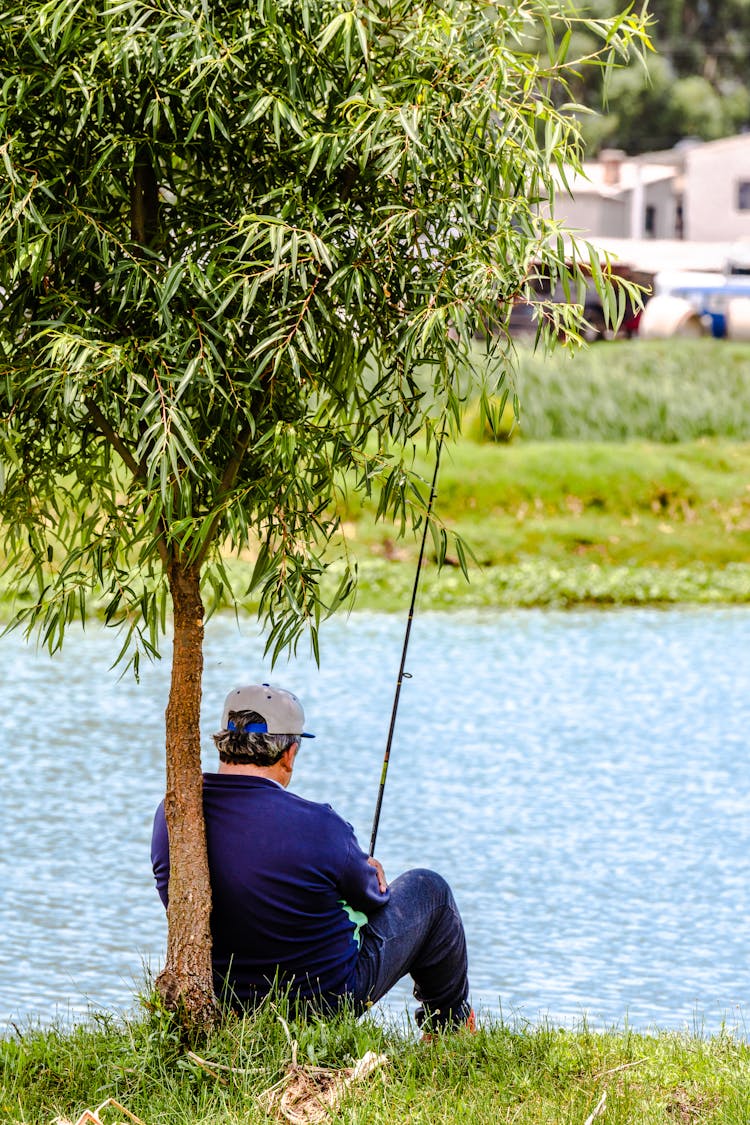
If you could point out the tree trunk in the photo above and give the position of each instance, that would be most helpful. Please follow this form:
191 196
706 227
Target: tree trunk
186 983
144 199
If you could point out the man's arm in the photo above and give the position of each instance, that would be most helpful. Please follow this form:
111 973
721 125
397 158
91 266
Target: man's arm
160 854
362 881
382 881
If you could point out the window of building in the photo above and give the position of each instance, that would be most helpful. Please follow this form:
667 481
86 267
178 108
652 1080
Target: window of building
743 195
649 221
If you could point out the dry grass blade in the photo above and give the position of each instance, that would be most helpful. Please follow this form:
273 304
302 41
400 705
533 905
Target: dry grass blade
617 1069
91 1116
307 1095
211 1068
86 1118
598 1109
210 1065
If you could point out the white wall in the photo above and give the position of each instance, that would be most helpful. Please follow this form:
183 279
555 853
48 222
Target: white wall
612 216
592 215
713 173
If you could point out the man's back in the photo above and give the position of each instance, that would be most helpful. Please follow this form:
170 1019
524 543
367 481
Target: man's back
290 887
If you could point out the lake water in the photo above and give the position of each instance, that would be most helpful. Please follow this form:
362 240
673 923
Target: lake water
581 779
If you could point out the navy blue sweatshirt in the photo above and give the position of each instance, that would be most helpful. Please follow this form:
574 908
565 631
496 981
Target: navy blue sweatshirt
291 888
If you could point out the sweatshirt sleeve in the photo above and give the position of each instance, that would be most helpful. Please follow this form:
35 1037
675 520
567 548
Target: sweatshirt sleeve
160 854
358 882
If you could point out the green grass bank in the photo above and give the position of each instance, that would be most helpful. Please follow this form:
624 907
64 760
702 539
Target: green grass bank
523 1075
561 524
569 523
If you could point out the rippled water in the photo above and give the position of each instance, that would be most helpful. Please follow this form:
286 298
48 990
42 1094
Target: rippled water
580 778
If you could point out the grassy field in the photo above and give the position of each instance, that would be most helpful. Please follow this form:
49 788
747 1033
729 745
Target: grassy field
626 482
563 523
634 503
529 1075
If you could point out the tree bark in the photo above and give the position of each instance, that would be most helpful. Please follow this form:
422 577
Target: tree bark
186 982
144 199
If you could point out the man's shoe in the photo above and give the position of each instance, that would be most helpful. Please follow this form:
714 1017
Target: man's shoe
469 1026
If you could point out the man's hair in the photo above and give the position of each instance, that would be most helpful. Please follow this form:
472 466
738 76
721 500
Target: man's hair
241 747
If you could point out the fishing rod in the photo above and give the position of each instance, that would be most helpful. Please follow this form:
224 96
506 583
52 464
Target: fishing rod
402 675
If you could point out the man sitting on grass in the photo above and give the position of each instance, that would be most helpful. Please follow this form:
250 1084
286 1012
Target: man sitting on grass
296 902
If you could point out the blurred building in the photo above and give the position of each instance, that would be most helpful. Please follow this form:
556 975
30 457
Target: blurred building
621 197
715 190
695 192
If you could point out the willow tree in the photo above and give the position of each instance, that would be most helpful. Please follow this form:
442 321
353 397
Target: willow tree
244 250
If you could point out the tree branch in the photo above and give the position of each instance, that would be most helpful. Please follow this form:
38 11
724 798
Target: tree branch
229 476
101 423
144 199
137 469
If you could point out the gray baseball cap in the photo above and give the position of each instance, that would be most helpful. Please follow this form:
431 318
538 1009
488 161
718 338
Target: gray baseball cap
281 710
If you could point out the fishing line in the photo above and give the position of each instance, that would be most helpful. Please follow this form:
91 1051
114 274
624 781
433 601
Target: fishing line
402 675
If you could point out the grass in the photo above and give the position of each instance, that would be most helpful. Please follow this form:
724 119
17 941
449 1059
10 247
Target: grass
627 482
525 1074
571 523
629 504
634 490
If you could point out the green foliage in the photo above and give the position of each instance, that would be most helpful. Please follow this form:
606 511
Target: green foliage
699 108
243 252
531 1074
697 86
490 418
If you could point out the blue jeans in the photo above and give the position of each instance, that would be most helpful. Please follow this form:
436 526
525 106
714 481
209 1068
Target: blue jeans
418 932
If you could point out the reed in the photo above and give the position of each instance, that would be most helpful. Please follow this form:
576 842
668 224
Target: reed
660 391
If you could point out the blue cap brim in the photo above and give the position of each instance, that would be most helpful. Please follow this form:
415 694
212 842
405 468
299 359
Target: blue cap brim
262 728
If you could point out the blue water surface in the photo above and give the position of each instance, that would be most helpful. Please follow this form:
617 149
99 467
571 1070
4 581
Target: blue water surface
581 779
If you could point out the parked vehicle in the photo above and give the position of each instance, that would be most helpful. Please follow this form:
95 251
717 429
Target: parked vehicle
689 302
523 319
